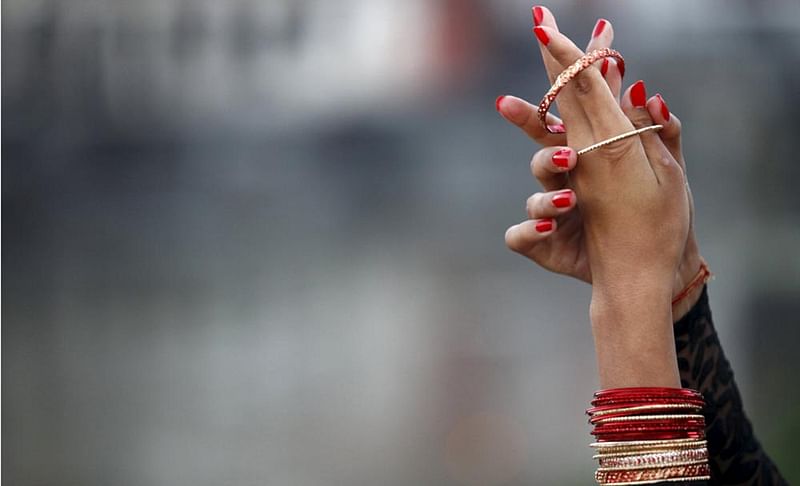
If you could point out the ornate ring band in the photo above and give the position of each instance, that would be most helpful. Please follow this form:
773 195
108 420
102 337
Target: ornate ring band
568 75
622 136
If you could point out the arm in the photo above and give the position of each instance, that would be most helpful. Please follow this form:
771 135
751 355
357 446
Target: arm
631 315
736 455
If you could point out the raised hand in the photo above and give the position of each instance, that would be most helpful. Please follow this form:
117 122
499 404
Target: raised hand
635 215
554 235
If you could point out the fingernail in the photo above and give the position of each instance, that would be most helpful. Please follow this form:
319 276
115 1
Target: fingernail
599 26
561 158
664 107
563 199
604 67
638 94
559 128
498 101
544 225
538 15
621 67
541 35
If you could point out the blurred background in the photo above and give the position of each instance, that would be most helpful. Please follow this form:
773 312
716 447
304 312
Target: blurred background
256 242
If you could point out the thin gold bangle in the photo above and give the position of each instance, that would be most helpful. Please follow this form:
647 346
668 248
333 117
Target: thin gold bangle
617 138
638 408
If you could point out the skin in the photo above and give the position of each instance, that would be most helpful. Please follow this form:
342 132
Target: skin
631 237
563 250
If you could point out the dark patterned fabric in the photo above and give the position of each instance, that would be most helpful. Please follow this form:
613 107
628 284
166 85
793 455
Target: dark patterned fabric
736 457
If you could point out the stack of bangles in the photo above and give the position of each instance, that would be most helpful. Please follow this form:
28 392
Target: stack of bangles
649 435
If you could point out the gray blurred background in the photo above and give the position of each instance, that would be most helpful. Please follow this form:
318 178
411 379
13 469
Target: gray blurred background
254 242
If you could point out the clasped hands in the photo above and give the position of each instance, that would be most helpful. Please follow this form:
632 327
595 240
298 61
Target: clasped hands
620 217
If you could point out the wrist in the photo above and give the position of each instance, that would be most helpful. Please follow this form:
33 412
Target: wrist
687 271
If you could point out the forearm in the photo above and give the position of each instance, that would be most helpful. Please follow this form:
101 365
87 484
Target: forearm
632 328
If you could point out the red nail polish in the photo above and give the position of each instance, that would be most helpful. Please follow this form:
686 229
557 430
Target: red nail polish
538 15
621 67
541 35
560 128
561 158
604 67
498 101
664 107
544 225
562 199
598 28
638 94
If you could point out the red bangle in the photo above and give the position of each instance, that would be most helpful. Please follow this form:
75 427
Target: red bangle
655 435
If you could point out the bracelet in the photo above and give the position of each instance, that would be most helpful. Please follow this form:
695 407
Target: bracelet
617 138
615 410
568 75
649 434
703 276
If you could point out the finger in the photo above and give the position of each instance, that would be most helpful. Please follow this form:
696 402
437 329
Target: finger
671 133
525 116
589 87
610 70
543 16
524 236
602 37
634 104
550 166
550 204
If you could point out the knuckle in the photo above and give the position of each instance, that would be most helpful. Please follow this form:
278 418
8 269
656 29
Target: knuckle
534 202
640 118
621 149
510 237
583 84
538 164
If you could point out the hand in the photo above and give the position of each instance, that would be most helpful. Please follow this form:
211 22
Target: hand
636 216
559 244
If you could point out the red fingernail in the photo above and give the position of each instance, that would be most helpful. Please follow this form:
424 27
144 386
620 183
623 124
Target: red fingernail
498 101
561 158
541 35
563 199
638 94
621 67
544 225
560 128
598 28
664 107
604 67
538 15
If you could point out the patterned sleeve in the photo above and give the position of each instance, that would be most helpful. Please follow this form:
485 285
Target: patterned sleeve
736 456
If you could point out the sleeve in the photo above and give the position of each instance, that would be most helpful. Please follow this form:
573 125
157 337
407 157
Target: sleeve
736 456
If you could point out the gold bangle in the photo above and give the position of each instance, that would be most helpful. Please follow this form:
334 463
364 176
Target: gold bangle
568 75
617 138
654 459
672 472
652 450
639 408
644 443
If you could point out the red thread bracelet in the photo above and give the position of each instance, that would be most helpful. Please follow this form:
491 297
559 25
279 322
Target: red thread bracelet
703 275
